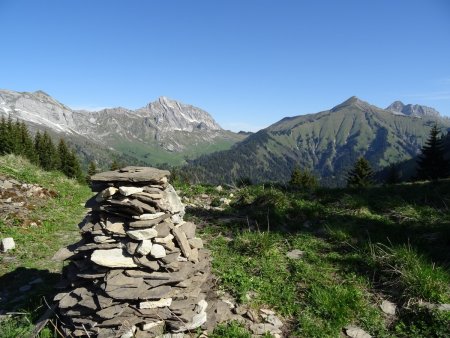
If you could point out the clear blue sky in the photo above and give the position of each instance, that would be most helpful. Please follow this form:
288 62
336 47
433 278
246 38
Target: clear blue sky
248 63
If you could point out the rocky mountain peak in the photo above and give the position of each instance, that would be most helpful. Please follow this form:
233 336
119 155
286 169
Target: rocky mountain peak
417 110
166 100
396 105
353 101
169 114
40 93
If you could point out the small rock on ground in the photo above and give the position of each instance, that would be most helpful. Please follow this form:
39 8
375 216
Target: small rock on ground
7 244
356 332
388 307
295 254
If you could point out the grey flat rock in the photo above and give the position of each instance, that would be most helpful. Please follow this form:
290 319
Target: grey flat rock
141 234
196 242
157 251
68 301
155 304
388 307
163 229
127 191
120 280
171 202
182 241
148 223
132 174
145 262
113 258
189 229
115 226
127 293
150 329
149 216
95 246
157 292
145 247
131 247
144 206
295 254
356 332
105 194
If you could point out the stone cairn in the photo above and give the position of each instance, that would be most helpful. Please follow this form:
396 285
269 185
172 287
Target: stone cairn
139 270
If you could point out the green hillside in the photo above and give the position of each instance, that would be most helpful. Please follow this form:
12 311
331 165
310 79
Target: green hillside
358 248
150 153
328 143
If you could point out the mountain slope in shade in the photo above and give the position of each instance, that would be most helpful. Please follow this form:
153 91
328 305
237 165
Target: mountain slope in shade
328 143
164 131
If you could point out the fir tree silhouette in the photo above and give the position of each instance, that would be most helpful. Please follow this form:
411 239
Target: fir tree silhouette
361 174
431 164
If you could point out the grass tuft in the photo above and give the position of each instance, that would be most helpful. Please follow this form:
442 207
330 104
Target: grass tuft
411 274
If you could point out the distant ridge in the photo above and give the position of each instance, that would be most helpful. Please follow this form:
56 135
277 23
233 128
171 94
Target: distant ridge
163 131
328 143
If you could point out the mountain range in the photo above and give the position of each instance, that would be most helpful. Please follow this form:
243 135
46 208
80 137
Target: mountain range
171 132
326 143
164 131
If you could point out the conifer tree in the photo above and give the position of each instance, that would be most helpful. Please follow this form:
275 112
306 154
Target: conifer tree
3 135
63 153
8 142
431 164
302 179
73 167
46 151
27 147
361 174
92 169
16 138
115 165
37 143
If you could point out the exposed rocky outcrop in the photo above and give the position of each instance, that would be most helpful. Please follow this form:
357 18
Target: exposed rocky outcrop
416 110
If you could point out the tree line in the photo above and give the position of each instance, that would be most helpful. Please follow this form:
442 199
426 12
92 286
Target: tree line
15 138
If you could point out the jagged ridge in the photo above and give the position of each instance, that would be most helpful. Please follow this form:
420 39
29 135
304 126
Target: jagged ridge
156 133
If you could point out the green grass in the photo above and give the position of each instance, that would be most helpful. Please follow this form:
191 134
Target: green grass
230 330
309 293
361 246
35 245
154 154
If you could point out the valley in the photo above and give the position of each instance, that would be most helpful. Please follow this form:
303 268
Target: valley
162 132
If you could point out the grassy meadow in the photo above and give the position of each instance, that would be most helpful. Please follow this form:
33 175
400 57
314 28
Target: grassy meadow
359 247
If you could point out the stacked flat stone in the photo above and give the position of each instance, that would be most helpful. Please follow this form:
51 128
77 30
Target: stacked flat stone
139 269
